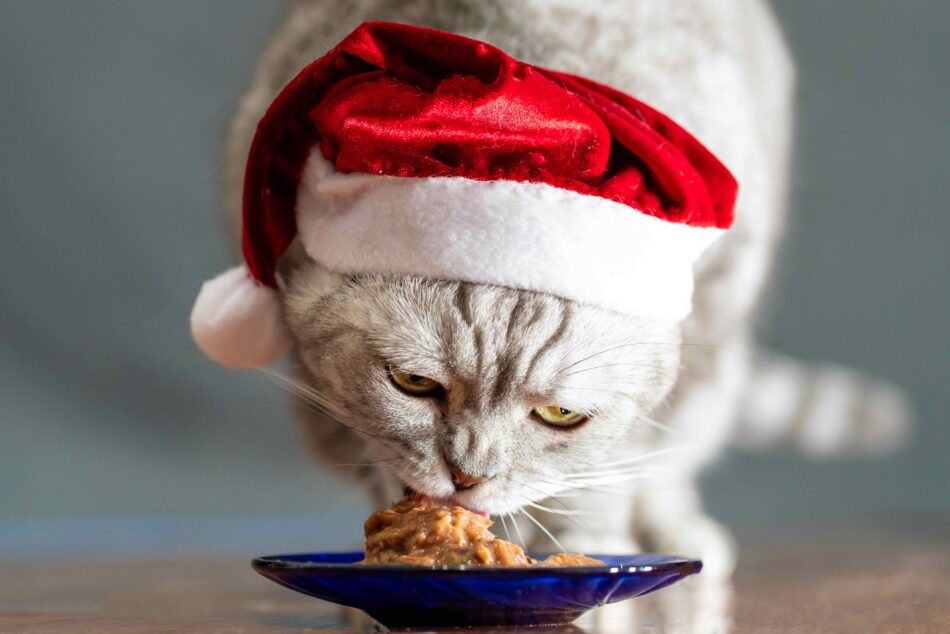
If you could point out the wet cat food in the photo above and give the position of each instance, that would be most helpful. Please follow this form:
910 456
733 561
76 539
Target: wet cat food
417 532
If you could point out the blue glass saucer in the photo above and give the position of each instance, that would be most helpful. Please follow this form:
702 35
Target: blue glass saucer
410 596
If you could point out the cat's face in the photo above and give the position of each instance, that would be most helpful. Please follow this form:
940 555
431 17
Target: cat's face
490 357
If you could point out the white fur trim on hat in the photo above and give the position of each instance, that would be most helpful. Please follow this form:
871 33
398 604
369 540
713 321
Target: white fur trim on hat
239 322
530 236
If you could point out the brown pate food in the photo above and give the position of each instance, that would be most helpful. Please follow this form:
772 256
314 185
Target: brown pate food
418 532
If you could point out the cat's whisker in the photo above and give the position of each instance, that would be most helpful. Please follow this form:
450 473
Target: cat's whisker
602 482
580 387
544 494
569 512
556 490
543 530
310 407
588 484
376 437
638 343
551 494
646 456
572 518
564 494
606 475
552 491
314 408
609 365
511 516
299 388
380 464
318 404
308 396
656 424
587 489
504 525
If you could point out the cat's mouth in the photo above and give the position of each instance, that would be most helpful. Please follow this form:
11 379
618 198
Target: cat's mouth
409 492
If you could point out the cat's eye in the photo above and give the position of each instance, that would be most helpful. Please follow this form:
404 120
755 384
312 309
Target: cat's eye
559 416
414 384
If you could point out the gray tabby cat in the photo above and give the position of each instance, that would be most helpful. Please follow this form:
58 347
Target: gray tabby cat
660 399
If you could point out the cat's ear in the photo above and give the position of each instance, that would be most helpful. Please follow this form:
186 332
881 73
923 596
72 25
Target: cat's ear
239 322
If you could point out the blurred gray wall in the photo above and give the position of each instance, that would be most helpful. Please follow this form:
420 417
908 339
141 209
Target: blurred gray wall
112 116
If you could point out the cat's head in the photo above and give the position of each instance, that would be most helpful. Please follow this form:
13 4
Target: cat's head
516 392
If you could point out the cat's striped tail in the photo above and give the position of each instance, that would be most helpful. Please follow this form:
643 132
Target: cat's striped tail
821 409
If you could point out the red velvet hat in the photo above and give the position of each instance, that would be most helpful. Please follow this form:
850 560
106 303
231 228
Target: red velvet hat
407 150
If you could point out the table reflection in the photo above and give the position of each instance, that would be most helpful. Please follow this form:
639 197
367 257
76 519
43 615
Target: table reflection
700 604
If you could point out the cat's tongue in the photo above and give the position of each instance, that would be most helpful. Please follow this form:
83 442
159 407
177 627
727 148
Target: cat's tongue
442 502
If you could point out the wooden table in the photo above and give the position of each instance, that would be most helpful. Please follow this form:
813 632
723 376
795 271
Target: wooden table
846 580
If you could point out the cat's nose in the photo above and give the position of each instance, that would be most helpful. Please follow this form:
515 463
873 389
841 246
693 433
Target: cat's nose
462 480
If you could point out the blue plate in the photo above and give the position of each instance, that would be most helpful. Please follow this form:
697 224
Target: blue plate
410 596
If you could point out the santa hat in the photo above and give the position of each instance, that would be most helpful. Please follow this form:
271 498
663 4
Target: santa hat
412 151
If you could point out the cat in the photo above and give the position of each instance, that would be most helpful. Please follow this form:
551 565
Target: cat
661 398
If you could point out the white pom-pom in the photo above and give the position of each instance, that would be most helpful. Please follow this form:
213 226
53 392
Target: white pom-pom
238 322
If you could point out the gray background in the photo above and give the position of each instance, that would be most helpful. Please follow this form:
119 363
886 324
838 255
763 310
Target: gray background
115 433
